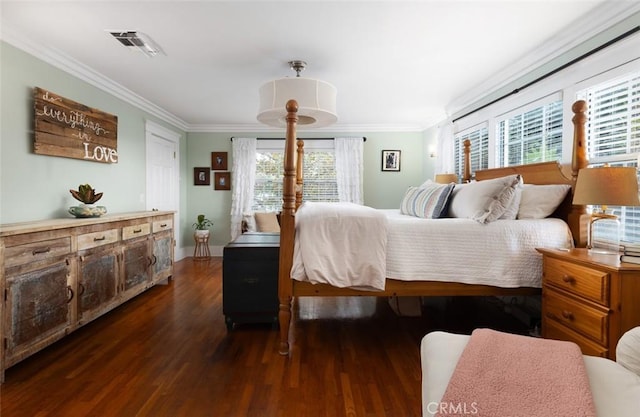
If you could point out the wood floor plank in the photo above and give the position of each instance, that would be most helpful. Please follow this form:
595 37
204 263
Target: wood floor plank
168 353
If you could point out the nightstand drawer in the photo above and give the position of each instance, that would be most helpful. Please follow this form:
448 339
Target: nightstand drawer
581 280
582 318
554 330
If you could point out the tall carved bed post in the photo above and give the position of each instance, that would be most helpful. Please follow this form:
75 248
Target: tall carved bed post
577 217
287 228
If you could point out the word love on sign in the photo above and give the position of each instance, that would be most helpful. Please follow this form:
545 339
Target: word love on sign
73 130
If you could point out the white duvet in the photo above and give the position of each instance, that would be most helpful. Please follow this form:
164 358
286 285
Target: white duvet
501 253
392 245
341 244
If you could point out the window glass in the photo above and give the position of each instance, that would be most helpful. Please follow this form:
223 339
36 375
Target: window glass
613 137
532 136
479 157
319 178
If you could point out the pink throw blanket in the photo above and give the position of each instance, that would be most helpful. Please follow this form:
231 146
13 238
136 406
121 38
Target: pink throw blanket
501 374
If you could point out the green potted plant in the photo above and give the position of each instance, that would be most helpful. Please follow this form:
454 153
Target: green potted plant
202 225
88 197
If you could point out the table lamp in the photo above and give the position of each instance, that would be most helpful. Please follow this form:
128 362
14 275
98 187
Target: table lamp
604 186
446 178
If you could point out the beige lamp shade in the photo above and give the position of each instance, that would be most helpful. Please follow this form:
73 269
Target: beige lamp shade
446 178
316 102
614 186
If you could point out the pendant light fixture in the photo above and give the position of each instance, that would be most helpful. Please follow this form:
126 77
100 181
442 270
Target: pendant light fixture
316 100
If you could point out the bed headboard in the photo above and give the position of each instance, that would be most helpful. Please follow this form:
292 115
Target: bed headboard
544 173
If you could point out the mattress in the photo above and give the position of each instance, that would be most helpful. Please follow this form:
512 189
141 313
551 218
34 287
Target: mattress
615 389
501 253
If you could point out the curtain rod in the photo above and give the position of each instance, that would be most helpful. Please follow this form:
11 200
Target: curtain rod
550 73
364 139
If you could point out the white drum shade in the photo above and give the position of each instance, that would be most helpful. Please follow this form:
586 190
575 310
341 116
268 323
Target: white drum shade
316 102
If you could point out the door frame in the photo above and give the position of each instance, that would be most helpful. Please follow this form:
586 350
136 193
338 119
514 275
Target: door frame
157 130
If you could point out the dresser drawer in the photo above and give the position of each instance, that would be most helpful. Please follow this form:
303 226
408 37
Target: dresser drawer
581 280
132 232
36 251
92 240
583 318
160 225
553 330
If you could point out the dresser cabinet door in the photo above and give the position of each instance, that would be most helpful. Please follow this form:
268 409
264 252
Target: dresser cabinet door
162 256
38 309
136 267
97 284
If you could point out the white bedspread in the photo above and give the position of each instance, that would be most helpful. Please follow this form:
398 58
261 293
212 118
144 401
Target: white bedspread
341 244
346 251
501 253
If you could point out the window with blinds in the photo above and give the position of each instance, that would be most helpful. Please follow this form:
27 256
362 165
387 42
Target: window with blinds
479 157
531 136
319 178
613 136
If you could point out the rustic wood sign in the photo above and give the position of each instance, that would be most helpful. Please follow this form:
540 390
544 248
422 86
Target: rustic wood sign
73 130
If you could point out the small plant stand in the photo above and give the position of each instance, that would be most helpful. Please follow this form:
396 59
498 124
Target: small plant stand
201 252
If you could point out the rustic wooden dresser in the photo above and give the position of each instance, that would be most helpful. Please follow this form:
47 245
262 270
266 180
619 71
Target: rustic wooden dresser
57 275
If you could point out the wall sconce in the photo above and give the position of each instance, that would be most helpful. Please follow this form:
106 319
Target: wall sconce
432 151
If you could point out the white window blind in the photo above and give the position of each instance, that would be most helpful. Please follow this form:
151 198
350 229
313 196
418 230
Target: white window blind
319 177
479 138
531 136
613 136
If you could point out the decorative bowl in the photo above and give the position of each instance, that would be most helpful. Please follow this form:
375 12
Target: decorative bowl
87 210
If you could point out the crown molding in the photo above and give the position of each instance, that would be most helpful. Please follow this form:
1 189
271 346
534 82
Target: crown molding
260 128
603 17
85 73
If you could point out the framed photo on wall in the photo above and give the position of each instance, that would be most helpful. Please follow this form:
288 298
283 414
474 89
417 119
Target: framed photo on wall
390 160
222 181
201 176
219 161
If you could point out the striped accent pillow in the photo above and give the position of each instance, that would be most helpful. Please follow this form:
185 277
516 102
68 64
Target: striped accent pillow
428 201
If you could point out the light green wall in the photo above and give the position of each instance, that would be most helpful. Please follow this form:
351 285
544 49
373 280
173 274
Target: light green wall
36 187
381 189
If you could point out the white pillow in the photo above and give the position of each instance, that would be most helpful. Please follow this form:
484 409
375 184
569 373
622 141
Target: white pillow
628 350
428 201
511 213
483 201
540 201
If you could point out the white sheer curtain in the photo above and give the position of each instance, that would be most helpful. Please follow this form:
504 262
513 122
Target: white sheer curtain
349 169
445 163
243 177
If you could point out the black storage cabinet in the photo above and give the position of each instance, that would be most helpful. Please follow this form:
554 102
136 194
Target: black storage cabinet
250 279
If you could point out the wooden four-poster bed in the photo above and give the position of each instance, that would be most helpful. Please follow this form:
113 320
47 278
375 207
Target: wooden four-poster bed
538 173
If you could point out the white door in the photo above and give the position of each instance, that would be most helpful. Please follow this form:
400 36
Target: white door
163 171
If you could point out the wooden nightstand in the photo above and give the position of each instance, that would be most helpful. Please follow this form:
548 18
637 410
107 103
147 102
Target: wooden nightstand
589 298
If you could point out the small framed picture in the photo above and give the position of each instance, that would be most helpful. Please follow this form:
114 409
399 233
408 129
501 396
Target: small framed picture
391 160
219 161
222 181
201 176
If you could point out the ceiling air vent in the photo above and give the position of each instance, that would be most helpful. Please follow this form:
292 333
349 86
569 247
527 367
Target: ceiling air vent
137 41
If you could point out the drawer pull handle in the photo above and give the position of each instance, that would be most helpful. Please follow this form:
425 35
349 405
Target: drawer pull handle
567 315
137 231
568 279
163 225
70 292
98 239
81 289
41 251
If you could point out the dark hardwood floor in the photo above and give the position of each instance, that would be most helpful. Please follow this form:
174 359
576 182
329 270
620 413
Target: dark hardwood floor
167 353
